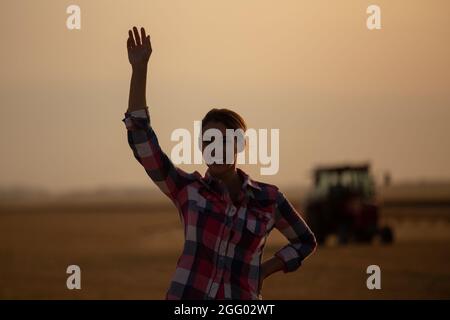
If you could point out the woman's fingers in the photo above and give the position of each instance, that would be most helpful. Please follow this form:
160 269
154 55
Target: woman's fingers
136 36
135 39
147 42
143 36
130 41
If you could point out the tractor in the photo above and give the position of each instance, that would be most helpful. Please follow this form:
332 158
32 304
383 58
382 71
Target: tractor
342 202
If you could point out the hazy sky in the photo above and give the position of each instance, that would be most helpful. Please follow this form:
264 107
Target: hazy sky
337 91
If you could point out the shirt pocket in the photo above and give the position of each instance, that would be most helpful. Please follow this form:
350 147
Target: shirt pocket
258 222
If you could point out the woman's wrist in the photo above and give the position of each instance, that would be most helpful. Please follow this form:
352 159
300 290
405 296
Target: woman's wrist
139 68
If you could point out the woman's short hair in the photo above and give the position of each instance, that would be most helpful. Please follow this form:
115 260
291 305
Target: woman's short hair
229 118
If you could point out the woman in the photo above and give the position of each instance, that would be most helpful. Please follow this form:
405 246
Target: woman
227 216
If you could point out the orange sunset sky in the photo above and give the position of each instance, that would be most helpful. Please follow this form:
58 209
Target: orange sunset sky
337 91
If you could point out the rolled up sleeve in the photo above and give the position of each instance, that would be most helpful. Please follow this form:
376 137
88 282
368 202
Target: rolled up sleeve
137 120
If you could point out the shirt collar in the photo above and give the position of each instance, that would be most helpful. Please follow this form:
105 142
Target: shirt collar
247 181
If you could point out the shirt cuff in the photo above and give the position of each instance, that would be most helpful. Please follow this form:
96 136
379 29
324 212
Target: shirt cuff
290 258
137 119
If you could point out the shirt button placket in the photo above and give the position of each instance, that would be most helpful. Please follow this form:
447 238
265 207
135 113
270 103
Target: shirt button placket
230 214
223 248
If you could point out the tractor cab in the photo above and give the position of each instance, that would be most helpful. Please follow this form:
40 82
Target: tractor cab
342 202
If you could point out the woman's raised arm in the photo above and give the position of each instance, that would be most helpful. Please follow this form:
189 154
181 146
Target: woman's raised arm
141 137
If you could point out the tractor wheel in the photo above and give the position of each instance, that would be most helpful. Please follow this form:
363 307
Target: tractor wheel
386 235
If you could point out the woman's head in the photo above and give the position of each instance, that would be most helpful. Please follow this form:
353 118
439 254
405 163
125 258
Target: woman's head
223 119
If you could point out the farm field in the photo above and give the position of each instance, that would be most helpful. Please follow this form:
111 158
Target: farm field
132 255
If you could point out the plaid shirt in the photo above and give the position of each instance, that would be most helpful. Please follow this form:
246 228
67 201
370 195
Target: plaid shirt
224 242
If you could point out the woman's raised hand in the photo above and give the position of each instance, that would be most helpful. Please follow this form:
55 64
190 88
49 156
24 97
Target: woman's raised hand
139 48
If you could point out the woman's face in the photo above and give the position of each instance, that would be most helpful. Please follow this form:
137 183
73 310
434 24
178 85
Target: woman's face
219 168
